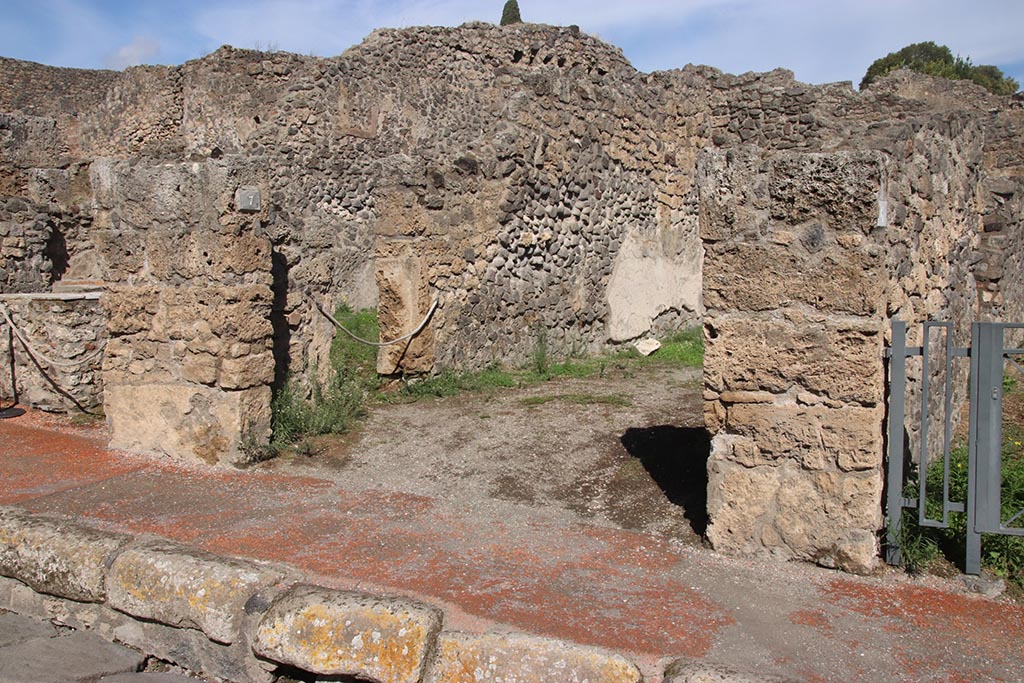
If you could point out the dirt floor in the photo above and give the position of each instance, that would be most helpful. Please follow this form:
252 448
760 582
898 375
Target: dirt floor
627 449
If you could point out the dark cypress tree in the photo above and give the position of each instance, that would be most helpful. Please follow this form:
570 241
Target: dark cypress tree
510 15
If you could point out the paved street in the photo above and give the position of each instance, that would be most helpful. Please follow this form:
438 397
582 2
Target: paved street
35 651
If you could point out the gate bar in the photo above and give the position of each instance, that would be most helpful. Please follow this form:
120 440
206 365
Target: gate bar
972 560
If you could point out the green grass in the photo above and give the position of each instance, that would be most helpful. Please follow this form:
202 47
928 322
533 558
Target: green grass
449 383
333 406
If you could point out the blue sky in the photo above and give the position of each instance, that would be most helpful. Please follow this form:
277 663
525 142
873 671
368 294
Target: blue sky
821 40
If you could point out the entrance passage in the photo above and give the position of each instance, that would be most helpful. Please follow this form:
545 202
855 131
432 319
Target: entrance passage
994 364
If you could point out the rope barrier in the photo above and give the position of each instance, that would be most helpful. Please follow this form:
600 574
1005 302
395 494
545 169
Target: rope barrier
39 356
419 328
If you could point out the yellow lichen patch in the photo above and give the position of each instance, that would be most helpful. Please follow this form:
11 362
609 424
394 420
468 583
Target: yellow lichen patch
466 658
332 633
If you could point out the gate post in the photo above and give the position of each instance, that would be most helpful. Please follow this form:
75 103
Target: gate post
897 413
972 561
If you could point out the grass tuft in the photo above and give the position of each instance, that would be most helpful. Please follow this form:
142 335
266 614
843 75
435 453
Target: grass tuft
332 407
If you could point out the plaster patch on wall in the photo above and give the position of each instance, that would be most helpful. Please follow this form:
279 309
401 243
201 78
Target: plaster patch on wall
645 283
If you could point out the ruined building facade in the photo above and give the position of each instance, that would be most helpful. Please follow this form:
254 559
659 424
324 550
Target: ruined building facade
524 178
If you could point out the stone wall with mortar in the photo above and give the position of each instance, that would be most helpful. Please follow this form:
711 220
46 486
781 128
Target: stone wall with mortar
528 179
62 371
249 622
497 170
794 333
190 361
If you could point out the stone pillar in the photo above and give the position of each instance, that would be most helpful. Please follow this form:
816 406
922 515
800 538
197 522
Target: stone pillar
794 289
189 366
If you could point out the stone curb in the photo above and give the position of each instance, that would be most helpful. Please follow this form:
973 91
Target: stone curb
468 658
56 556
185 589
347 633
241 620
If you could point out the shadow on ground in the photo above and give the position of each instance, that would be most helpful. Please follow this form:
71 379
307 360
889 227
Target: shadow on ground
676 458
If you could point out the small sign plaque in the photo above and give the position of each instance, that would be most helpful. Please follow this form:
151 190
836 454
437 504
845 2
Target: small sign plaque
247 198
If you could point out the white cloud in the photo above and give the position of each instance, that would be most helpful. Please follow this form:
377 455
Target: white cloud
140 51
819 40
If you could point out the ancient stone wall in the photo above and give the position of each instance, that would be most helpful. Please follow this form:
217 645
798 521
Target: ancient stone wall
795 297
61 370
190 361
528 181
512 174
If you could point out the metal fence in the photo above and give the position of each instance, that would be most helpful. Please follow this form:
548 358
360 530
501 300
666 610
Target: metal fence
990 359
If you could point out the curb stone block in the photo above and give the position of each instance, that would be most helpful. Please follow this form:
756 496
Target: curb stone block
332 632
687 671
55 556
467 658
185 589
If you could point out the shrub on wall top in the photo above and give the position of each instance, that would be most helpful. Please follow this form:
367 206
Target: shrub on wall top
510 14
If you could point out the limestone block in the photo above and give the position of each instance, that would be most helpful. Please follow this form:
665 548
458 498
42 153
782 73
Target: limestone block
247 371
186 421
244 315
739 498
817 436
333 632
786 511
129 309
842 361
185 589
468 658
200 368
242 254
842 184
55 556
763 277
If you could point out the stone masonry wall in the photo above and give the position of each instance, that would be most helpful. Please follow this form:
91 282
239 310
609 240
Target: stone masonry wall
72 333
794 331
527 179
190 360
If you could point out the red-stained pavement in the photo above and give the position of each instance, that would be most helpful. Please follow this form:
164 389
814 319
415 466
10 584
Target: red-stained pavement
642 595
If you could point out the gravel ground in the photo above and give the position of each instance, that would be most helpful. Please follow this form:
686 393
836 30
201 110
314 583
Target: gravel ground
627 449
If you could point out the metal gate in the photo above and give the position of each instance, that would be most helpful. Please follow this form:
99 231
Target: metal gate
989 360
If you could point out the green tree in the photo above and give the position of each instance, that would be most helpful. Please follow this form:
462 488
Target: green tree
510 14
938 60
